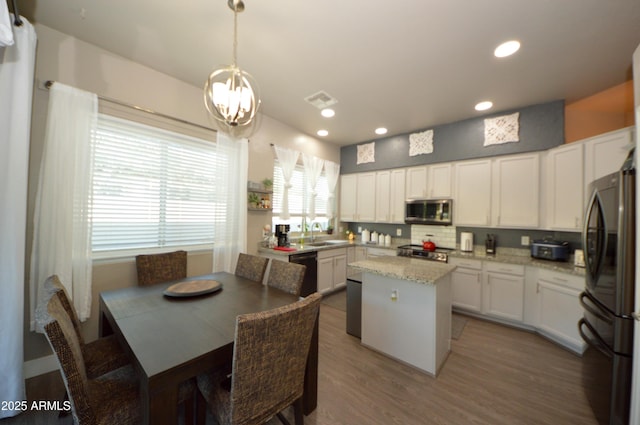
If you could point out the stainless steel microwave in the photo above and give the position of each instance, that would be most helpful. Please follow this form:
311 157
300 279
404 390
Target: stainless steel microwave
428 211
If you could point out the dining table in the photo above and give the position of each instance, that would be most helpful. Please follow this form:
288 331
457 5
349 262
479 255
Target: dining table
173 338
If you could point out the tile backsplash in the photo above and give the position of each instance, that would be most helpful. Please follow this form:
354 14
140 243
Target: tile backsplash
443 236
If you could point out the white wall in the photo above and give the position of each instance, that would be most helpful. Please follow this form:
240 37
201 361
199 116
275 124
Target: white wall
70 61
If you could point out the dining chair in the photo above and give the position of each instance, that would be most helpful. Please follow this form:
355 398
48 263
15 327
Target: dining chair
111 398
100 356
158 268
269 358
251 267
286 276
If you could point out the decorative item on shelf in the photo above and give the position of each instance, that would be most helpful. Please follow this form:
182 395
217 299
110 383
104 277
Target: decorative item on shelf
267 184
254 200
330 229
230 94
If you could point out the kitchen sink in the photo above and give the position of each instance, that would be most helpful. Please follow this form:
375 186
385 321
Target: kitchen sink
328 242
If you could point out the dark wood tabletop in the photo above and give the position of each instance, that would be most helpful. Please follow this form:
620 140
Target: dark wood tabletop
173 339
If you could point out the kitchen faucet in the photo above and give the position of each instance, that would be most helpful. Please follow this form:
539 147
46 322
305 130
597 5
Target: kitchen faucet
313 223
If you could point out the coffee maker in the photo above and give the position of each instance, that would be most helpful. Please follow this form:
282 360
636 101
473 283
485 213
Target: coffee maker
490 244
282 233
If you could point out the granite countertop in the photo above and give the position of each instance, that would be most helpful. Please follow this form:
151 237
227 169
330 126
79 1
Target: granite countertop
405 268
521 257
309 248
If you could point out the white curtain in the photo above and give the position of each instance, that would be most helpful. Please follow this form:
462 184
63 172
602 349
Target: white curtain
230 237
312 170
332 172
62 227
17 64
6 33
287 159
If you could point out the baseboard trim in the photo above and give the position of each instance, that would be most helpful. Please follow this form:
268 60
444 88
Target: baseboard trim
40 366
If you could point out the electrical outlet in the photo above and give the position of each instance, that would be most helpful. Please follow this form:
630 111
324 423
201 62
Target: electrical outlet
359 229
394 295
524 240
398 232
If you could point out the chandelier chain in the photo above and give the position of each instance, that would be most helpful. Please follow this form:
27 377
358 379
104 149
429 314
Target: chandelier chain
235 38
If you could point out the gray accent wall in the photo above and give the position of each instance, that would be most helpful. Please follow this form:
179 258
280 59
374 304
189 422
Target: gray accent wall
541 127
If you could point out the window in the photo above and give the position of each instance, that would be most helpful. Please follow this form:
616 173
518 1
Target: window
152 188
299 196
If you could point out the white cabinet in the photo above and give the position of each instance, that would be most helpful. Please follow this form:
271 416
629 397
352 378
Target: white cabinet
439 181
559 308
389 193
366 197
416 186
564 187
355 253
516 191
397 196
332 269
348 193
355 204
604 154
472 193
503 292
466 284
383 190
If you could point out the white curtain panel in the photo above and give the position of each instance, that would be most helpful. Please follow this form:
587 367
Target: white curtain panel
312 170
17 64
230 237
287 159
6 32
62 227
332 172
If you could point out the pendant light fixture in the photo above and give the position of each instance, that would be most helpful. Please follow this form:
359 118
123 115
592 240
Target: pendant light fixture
230 94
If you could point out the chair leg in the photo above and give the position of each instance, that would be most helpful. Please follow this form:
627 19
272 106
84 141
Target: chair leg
201 409
64 413
298 412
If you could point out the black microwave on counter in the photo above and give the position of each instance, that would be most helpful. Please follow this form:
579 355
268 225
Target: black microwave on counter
428 211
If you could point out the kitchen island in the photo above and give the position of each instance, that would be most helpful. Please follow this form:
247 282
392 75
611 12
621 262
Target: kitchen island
406 310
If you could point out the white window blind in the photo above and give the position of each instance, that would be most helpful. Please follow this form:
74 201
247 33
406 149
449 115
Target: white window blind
152 188
299 195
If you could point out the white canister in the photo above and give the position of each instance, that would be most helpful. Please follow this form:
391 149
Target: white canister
387 240
380 239
374 237
466 241
365 236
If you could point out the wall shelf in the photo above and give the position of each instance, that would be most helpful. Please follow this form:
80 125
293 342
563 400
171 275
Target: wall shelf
258 198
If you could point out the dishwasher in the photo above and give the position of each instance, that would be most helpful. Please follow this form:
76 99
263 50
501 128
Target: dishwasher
310 260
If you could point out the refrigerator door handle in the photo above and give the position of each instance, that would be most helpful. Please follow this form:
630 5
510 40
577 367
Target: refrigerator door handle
591 309
598 342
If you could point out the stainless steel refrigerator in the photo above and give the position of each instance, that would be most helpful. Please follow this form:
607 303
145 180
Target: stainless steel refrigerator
608 300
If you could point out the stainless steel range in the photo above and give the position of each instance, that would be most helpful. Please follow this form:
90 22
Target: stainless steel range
416 251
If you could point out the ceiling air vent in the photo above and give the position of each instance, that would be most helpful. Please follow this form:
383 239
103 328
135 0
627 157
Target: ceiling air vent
321 100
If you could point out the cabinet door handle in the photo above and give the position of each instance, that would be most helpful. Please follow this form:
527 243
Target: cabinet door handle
537 288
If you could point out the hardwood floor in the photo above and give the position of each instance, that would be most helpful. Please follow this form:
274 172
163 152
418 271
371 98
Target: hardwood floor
494 375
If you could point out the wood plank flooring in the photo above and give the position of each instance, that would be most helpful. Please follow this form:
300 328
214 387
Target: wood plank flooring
495 375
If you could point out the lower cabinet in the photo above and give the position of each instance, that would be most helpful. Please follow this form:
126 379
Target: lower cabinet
466 284
559 308
503 295
529 297
332 269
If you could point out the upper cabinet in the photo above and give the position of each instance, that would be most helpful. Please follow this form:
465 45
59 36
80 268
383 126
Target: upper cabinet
564 181
390 197
348 193
516 191
416 186
472 195
439 181
605 154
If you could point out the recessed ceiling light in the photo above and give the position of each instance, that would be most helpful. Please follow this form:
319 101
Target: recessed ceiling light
381 130
507 49
322 133
328 112
483 106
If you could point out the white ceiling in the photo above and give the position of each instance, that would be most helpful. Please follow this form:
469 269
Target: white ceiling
403 64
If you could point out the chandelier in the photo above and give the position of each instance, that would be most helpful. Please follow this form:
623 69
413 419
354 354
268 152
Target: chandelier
230 94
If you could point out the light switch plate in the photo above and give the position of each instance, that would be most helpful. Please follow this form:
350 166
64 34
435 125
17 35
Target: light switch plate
524 240
398 232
